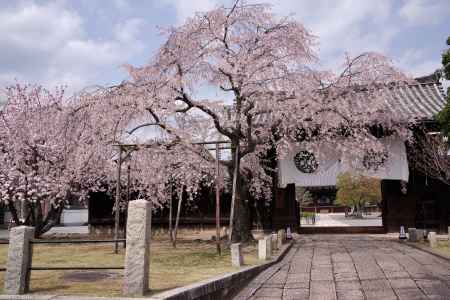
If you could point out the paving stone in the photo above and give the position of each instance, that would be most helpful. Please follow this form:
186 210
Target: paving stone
278 285
341 257
410 294
345 277
368 269
300 277
378 289
350 295
402 283
279 277
296 285
321 273
296 294
348 285
434 287
321 290
398 274
352 268
269 292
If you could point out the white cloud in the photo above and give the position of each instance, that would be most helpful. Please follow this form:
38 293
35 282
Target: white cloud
52 43
416 63
185 9
49 44
129 30
425 12
122 5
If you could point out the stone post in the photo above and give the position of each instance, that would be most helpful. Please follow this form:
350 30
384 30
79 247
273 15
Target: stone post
412 235
236 255
432 239
280 238
420 234
268 239
264 248
274 241
137 256
20 252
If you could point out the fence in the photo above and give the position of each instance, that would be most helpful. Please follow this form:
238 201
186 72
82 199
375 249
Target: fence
136 274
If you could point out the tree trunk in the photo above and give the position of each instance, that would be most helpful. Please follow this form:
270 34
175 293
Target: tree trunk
51 220
14 214
242 226
36 218
359 211
239 218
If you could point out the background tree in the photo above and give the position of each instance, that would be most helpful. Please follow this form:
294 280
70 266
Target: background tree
444 116
429 152
430 155
304 198
357 191
46 156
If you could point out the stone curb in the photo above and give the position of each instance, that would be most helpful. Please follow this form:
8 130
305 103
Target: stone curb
428 250
210 288
55 297
219 287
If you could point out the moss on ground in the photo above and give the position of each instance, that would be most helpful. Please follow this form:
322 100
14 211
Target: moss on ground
443 248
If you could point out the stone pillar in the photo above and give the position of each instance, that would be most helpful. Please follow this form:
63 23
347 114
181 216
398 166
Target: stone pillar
236 255
420 235
224 231
280 238
137 256
432 239
412 235
268 239
264 248
274 241
20 252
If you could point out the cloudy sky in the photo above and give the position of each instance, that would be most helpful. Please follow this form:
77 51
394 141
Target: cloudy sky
85 42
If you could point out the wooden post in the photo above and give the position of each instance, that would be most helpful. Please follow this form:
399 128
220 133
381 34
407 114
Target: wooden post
128 201
170 212
233 196
180 200
118 191
218 199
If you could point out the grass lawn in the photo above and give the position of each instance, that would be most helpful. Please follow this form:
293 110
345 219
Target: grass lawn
443 248
192 261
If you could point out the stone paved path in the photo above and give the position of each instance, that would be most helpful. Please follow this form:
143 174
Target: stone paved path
352 267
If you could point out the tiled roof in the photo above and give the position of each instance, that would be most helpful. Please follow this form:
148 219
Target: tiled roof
421 100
